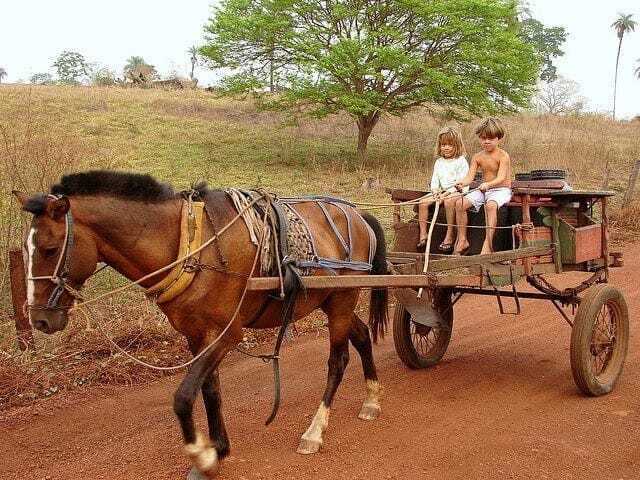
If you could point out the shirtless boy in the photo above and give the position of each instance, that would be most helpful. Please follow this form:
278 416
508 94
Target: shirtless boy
493 192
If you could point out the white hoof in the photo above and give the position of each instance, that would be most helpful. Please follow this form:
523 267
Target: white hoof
195 474
369 411
307 447
204 458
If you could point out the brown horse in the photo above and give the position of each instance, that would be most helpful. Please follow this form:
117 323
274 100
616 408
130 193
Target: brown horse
132 223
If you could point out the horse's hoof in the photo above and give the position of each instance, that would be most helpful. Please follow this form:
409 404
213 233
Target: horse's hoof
307 447
204 458
195 474
369 411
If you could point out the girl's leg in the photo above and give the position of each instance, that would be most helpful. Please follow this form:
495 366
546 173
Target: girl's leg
423 218
450 211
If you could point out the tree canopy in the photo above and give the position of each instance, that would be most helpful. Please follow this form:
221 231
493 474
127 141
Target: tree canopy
71 67
547 41
368 58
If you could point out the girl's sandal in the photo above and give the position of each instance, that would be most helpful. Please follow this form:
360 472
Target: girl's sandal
422 244
445 247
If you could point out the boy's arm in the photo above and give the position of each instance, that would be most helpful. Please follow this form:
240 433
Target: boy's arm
471 174
503 169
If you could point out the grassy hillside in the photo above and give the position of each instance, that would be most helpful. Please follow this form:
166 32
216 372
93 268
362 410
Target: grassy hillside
184 136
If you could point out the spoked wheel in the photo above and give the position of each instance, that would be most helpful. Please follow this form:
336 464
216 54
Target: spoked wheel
419 346
599 339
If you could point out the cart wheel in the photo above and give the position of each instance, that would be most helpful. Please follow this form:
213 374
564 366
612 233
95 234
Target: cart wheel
419 346
599 339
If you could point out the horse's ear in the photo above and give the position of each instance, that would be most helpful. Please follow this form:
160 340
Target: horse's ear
21 196
58 208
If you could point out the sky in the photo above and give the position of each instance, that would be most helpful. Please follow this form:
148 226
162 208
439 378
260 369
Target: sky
34 32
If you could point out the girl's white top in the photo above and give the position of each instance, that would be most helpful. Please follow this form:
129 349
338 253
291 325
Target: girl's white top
448 172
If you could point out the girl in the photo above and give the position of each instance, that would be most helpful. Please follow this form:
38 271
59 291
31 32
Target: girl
450 168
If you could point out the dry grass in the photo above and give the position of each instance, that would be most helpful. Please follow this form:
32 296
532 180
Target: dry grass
181 136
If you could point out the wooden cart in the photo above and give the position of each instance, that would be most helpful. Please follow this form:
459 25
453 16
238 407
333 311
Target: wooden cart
549 231
552 231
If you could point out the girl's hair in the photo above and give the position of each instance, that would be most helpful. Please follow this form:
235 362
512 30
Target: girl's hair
450 136
490 128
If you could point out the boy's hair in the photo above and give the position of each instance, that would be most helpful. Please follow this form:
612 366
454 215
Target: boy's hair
450 136
490 128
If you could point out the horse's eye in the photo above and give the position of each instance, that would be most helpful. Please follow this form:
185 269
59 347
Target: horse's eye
50 252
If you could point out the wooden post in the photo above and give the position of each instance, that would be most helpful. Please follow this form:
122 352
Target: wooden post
605 235
24 333
526 219
633 177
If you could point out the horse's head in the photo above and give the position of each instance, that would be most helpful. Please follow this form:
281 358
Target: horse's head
59 256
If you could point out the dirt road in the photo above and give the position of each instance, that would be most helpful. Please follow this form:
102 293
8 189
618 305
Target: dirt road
502 404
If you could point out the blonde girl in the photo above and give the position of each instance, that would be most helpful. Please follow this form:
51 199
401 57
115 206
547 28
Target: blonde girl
450 168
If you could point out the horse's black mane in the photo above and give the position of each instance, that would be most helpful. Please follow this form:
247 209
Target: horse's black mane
131 186
126 185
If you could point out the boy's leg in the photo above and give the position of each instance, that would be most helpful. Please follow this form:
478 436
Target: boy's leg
450 211
462 205
491 216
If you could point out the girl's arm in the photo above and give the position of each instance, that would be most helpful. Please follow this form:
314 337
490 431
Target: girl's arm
435 177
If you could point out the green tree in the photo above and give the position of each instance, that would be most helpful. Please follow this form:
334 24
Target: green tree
41 79
622 25
71 67
547 41
370 58
103 77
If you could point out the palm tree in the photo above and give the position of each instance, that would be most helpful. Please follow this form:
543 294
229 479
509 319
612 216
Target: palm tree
193 52
622 25
3 73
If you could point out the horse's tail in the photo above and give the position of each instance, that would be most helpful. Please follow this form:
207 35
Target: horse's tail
378 317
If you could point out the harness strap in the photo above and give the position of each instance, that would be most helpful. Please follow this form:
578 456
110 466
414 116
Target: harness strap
180 277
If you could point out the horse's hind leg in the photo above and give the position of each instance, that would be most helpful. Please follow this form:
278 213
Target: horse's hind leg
361 340
339 308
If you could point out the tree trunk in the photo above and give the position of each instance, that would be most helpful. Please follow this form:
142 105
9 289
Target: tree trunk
615 80
365 127
193 67
271 74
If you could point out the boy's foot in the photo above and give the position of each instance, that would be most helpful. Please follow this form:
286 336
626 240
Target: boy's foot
461 249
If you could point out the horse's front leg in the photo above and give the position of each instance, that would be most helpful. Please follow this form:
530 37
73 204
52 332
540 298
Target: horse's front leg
198 447
213 406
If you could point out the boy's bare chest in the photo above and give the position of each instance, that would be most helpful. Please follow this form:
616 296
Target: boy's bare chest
488 163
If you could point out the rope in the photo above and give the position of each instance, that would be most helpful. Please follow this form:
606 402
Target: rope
214 342
169 266
427 252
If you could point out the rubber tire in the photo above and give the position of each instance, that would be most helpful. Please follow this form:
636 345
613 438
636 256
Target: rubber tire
581 335
402 334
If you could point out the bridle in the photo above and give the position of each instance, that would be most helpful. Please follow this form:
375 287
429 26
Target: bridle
60 273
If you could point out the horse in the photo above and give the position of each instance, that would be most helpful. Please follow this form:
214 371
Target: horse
131 222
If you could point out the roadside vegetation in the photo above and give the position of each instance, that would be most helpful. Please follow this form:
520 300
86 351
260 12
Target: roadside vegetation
182 136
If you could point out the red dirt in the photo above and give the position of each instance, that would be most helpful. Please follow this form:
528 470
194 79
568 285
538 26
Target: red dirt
501 404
